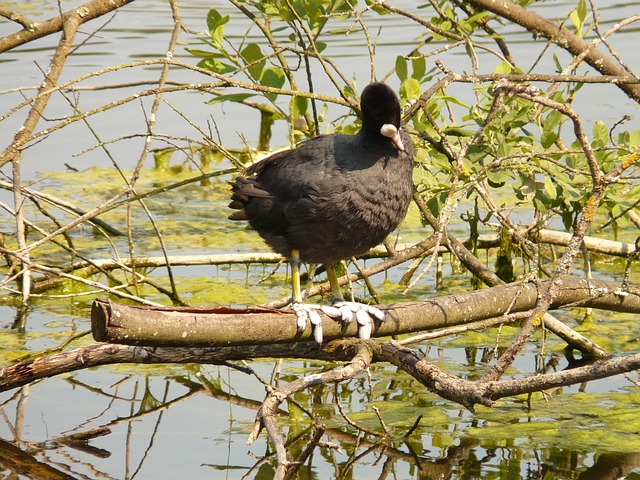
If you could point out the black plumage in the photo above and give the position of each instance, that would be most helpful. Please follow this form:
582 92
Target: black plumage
334 196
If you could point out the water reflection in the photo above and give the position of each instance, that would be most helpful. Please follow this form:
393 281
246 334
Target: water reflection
145 427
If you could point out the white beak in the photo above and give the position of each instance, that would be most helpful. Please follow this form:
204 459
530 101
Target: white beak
390 131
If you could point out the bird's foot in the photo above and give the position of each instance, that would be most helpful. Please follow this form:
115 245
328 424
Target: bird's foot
344 312
341 311
307 312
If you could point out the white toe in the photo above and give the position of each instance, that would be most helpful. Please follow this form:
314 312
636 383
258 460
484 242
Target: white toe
344 312
363 317
364 331
308 313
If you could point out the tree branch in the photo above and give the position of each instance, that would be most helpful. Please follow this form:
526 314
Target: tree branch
176 326
560 36
35 30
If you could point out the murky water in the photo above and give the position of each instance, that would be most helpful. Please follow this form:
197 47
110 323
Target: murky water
192 421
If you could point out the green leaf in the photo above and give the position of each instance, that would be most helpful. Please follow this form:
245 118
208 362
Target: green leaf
419 66
577 25
254 57
295 412
440 162
269 9
272 77
552 120
582 10
505 147
436 202
339 31
527 188
200 53
548 138
410 89
556 60
497 177
401 68
215 23
216 66
503 68
378 9
232 97
550 187
458 132
449 98
578 16
478 16
299 106
600 133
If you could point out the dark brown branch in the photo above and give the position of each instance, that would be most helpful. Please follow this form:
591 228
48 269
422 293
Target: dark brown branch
469 393
595 371
446 385
105 354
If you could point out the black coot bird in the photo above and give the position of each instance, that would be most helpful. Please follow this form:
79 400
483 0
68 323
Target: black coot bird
331 198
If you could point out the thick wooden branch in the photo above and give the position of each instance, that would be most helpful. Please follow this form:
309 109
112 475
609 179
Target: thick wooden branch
28 371
190 327
225 334
35 30
598 370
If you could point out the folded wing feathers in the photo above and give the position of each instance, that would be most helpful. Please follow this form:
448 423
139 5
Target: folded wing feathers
242 191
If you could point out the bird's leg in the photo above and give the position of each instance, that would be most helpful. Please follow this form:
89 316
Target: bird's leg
295 277
304 311
336 291
341 310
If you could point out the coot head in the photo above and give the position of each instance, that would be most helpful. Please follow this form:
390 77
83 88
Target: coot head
381 112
